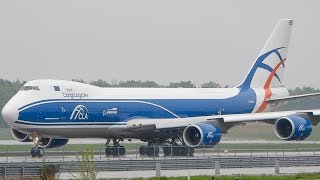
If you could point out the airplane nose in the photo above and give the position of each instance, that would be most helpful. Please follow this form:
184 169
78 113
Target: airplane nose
10 113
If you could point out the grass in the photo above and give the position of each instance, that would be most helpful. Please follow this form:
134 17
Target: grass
240 177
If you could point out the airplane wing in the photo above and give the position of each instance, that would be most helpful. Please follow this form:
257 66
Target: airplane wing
268 117
207 130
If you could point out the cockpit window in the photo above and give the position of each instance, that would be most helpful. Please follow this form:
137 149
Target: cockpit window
28 88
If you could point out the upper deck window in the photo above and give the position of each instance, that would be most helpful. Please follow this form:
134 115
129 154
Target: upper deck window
28 88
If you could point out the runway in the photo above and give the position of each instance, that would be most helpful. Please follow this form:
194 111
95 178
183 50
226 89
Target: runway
60 157
225 148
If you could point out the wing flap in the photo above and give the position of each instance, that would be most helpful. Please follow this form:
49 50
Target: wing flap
166 123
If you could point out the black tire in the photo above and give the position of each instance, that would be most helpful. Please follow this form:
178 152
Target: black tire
142 150
118 150
108 151
122 151
175 150
114 150
166 150
40 151
33 152
181 151
191 151
187 150
152 150
149 151
157 151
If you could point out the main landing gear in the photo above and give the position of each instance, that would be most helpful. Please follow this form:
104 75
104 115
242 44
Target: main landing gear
116 149
149 150
169 148
176 147
177 150
36 151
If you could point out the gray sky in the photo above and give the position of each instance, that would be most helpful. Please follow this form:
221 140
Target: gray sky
153 40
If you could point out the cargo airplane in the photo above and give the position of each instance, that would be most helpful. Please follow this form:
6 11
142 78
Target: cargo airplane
50 112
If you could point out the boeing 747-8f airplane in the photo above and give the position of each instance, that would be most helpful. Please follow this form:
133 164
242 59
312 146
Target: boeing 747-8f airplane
49 112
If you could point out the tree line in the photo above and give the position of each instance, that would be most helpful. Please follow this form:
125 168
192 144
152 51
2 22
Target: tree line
149 84
9 88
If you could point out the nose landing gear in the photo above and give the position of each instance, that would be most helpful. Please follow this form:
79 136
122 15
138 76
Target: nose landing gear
36 151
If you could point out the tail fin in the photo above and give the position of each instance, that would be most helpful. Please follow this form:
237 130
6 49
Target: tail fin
267 71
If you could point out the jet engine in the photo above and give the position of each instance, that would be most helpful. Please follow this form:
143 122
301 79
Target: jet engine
52 143
293 128
201 134
20 136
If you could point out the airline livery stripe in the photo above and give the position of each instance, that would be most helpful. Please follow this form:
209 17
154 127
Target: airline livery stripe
90 100
66 124
267 87
268 68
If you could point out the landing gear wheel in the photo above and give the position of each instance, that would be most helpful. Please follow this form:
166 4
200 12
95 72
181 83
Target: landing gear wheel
152 151
40 152
108 151
33 152
178 150
142 150
122 150
190 151
115 151
37 152
149 150
166 150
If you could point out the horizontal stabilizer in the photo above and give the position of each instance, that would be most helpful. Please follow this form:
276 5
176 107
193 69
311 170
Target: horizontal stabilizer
289 98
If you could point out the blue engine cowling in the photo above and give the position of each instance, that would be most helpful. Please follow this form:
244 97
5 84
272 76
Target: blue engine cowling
201 134
53 143
293 128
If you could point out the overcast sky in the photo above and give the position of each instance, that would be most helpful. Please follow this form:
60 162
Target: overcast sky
153 40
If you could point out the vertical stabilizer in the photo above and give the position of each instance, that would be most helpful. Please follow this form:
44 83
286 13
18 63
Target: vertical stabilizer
267 71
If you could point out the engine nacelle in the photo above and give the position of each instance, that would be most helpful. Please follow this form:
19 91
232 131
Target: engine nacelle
201 134
52 143
293 128
20 136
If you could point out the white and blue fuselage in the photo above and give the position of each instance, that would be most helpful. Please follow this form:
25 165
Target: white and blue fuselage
75 109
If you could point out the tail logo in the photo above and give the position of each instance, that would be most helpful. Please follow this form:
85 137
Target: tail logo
260 64
79 113
273 73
